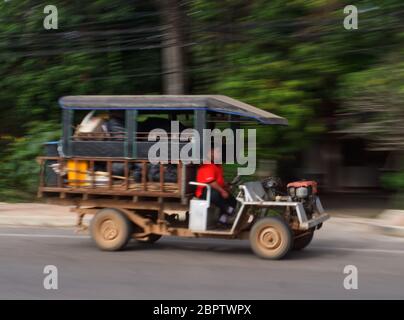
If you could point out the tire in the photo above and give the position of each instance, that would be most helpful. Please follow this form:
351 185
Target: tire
271 238
151 238
110 229
302 242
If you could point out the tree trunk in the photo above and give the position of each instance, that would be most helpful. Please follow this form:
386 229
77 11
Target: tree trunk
172 52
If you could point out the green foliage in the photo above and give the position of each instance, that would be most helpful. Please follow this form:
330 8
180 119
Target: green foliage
394 180
295 59
292 58
38 66
285 57
18 170
373 107
373 110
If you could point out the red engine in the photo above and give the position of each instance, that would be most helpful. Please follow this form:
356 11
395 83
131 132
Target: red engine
304 192
302 189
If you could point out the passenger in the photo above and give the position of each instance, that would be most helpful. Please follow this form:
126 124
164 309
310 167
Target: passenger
116 124
212 174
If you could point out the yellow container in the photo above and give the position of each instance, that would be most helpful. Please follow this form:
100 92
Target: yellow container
77 173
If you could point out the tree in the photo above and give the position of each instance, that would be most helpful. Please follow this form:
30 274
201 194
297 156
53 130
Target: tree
373 110
102 47
172 46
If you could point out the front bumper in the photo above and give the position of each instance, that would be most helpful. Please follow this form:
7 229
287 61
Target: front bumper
317 218
314 221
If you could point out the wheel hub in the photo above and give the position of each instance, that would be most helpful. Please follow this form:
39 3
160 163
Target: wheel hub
109 230
269 238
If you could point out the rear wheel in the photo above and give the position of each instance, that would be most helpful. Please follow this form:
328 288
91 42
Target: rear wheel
110 229
271 238
302 242
151 238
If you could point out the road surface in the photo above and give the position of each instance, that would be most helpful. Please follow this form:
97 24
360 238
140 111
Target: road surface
176 268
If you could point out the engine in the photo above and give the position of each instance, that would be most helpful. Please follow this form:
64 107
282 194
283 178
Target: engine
273 187
304 192
297 191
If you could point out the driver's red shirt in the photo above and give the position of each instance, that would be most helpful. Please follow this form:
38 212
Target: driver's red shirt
208 173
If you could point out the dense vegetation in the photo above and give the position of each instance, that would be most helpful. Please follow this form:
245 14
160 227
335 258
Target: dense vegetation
293 58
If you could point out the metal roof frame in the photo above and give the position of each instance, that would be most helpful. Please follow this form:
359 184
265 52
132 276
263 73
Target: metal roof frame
214 103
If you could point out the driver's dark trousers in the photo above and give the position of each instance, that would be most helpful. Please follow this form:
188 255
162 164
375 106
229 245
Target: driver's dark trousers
220 202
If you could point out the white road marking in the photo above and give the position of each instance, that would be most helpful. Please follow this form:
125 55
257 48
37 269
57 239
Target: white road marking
359 250
29 235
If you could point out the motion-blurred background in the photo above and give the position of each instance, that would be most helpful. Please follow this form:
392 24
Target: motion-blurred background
341 90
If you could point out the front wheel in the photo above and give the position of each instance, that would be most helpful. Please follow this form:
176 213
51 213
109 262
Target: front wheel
110 229
271 238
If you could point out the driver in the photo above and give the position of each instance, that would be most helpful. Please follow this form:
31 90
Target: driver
212 174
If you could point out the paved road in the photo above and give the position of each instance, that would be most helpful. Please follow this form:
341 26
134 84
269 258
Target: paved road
200 268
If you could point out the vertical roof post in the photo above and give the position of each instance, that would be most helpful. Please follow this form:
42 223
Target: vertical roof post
67 119
199 125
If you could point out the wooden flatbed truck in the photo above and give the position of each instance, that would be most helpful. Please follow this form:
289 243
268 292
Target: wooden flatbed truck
107 174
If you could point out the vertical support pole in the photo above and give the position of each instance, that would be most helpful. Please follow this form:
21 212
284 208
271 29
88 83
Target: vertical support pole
130 133
144 173
234 125
160 214
41 177
76 174
92 174
199 125
126 168
179 177
67 119
60 175
134 134
109 170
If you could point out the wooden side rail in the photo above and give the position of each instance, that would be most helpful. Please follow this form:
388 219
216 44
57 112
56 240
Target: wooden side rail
110 176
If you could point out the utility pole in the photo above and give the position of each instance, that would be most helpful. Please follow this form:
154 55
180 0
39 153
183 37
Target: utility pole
172 52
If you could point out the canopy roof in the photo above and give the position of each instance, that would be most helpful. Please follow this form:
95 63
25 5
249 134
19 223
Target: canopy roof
215 103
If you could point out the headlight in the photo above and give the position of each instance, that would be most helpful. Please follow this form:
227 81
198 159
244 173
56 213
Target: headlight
302 192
